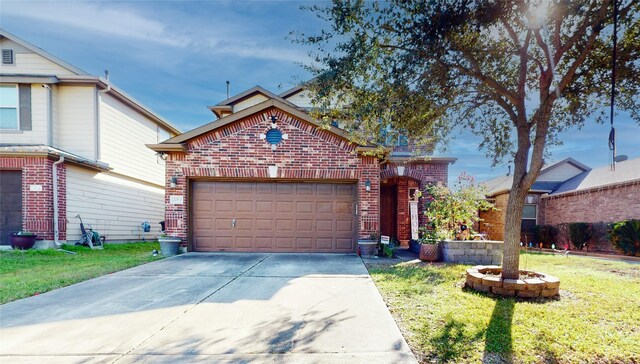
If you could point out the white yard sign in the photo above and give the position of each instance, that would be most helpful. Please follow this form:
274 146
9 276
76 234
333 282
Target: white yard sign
413 209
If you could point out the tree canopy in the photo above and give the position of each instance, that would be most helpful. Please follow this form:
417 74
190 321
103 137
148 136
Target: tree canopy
515 72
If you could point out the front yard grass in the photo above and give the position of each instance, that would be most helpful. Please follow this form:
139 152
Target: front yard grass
30 272
596 319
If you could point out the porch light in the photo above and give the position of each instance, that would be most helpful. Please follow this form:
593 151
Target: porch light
274 121
174 181
400 170
367 185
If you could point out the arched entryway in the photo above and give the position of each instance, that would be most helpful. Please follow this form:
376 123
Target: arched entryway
395 216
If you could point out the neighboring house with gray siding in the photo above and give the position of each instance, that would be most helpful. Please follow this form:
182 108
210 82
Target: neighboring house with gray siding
51 111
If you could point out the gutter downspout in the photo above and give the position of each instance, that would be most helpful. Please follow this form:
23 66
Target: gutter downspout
56 230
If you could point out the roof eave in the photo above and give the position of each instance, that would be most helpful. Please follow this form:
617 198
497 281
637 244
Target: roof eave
169 147
69 158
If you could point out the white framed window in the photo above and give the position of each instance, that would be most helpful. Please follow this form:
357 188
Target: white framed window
9 107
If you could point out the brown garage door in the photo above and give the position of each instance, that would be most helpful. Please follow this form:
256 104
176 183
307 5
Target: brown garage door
273 217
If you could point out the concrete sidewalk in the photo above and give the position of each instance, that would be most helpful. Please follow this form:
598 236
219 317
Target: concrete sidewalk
290 308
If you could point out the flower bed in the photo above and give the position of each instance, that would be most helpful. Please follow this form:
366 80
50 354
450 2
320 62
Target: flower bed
488 279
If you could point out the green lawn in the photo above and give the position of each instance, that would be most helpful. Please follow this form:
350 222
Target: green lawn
30 272
596 319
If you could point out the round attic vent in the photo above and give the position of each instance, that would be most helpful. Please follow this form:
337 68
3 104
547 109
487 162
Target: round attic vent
274 136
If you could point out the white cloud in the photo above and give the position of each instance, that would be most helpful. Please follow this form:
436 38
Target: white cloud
95 17
133 23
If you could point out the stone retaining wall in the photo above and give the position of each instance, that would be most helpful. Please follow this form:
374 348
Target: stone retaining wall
472 251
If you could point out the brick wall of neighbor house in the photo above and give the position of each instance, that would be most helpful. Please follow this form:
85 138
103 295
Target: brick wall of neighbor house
236 151
37 206
492 221
600 205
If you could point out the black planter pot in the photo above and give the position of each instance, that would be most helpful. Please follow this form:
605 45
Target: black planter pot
22 242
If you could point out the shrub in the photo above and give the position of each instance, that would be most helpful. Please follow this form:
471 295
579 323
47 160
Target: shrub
449 208
625 235
579 234
545 234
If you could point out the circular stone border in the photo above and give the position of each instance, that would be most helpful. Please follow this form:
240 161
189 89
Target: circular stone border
486 278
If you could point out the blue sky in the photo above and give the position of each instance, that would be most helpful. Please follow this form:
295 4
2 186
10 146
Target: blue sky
175 56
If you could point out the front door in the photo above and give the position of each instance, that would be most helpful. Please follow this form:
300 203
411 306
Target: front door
388 210
10 204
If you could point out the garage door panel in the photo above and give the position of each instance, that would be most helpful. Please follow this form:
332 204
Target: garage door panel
265 189
304 225
342 243
324 243
202 205
304 243
284 188
264 243
324 225
284 225
244 188
275 217
203 242
224 206
344 225
223 187
264 225
223 224
264 206
305 189
325 189
223 241
304 207
326 207
244 225
284 243
244 242
244 206
344 207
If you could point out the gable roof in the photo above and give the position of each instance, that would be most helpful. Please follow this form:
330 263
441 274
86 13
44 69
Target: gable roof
294 90
626 171
177 143
502 184
227 105
41 52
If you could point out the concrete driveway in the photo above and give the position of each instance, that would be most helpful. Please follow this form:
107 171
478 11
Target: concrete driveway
290 308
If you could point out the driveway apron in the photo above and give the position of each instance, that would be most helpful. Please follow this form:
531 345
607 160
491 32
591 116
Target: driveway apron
214 307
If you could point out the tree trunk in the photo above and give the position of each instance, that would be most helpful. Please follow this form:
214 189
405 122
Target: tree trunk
512 221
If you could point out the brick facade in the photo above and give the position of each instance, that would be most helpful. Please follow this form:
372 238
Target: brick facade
37 206
604 204
237 151
492 221
607 204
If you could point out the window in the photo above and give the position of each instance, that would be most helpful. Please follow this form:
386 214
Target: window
9 107
529 219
